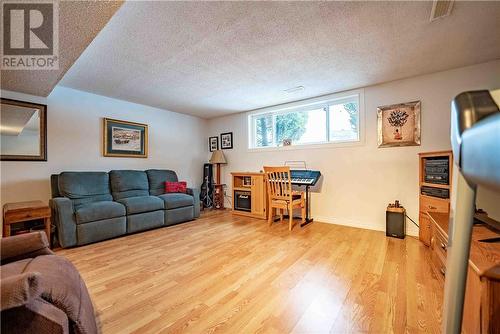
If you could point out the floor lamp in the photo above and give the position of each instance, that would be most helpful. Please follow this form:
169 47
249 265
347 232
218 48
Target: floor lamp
218 158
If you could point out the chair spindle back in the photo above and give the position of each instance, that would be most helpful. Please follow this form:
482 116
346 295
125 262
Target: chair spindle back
279 182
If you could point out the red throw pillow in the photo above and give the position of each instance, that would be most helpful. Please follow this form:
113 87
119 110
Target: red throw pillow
175 187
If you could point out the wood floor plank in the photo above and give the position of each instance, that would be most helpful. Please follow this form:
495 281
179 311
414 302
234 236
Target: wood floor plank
233 274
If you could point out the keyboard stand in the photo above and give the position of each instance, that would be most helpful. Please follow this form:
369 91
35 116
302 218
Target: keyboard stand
308 208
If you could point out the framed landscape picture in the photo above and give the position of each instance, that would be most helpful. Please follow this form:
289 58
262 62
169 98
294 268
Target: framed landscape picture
125 139
399 124
213 143
226 140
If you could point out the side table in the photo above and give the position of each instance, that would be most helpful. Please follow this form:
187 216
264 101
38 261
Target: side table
25 211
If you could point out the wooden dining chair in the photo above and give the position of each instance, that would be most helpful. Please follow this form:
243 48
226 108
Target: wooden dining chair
281 195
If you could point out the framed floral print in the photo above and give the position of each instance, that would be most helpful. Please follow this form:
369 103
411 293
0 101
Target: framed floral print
399 124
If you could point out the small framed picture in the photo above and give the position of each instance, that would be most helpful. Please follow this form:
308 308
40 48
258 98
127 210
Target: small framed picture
226 140
399 124
124 139
213 143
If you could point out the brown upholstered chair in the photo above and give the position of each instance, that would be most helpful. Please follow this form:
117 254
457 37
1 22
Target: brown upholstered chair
40 291
281 195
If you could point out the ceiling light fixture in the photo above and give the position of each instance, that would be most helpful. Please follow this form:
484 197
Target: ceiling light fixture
294 89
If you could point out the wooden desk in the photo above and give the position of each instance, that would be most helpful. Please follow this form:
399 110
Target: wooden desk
482 293
25 211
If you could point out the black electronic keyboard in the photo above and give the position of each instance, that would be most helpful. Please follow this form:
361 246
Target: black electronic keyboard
304 177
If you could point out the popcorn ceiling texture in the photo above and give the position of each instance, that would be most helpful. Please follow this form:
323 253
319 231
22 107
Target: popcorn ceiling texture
213 58
79 23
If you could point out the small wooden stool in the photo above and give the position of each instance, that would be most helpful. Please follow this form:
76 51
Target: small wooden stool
24 211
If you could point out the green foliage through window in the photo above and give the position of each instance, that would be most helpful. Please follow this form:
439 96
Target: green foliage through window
291 126
332 121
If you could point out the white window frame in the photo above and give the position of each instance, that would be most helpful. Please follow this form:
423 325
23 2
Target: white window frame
304 105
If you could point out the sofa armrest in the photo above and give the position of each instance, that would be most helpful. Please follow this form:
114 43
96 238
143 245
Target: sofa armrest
38 316
196 194
18 290
24 246
63 216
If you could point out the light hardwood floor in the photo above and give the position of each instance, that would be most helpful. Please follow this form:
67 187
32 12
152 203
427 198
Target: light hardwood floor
232 274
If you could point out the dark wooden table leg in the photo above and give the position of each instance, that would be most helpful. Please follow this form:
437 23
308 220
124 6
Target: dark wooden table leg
47 229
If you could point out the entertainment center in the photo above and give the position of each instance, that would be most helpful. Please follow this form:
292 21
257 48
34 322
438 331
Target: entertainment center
435 172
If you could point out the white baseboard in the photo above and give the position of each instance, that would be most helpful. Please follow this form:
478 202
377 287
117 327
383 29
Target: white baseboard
410 230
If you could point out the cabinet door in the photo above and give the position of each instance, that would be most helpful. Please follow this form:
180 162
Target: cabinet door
424 232
258 198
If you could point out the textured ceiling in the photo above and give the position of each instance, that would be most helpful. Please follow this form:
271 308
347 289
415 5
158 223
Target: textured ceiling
214 58
79 23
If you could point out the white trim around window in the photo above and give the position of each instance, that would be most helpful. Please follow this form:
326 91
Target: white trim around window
307 105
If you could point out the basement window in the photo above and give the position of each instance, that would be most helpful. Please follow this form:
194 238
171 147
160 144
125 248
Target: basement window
312 122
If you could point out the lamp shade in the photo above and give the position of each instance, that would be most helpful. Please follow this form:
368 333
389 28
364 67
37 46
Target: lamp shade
218 157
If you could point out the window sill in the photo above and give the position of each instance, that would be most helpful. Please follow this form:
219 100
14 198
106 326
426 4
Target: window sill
307 146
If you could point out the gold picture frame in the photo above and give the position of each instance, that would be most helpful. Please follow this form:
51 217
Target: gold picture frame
124 139
399 124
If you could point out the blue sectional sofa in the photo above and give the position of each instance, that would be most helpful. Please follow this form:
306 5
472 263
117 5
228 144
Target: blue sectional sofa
94 206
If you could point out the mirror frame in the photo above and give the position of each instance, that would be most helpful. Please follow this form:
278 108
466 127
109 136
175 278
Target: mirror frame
43 132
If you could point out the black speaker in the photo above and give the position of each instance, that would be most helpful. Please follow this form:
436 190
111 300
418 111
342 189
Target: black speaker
207 187
395 222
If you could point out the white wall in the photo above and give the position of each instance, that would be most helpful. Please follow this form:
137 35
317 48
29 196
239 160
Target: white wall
74 131
359 181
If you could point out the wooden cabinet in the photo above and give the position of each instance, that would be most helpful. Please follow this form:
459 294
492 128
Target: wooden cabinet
482 293
258 187
254 186
424 232
438 244
431 203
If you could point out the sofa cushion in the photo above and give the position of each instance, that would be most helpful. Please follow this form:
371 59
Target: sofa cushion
157 179
176 200
128 183
84 187
142 204
98 211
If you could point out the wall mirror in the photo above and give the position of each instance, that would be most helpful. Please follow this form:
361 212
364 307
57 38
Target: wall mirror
23 130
